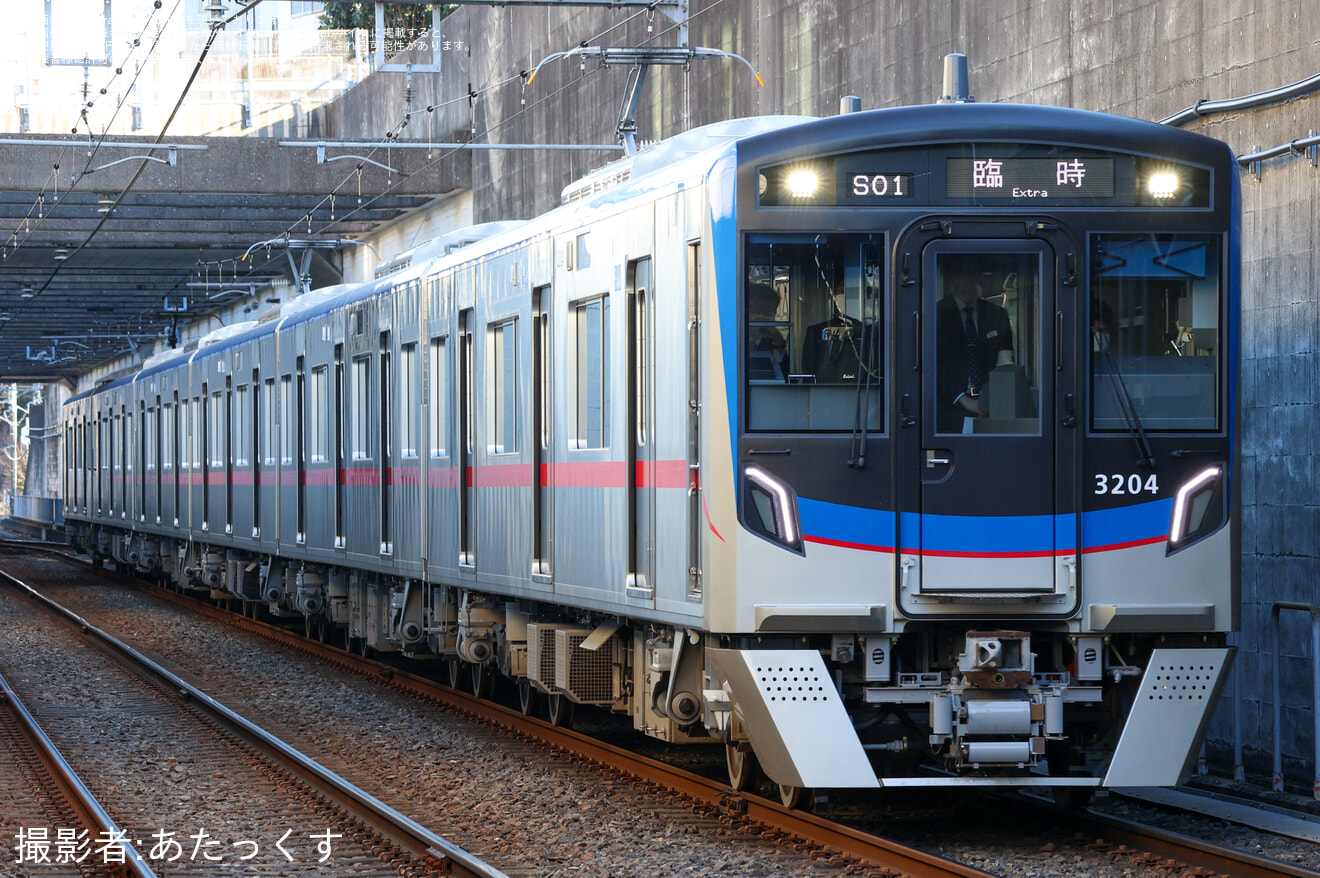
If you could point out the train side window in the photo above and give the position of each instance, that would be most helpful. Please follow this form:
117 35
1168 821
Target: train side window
1156 358
316 414
409 413
288 433
149 434
813 330
362 415
242 426
167 437
196 432
502 387
216 436
591 424
186 433
70 463
268 422
439 397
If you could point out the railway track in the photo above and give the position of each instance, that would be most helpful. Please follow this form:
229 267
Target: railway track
1127 846
797 828
1153 848
39 790
130 726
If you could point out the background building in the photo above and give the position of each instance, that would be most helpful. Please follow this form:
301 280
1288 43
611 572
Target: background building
267 68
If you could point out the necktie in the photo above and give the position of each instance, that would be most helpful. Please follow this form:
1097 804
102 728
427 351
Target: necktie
975 369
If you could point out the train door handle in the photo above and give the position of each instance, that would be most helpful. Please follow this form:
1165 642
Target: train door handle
1058 341
937 458
1069 413
916 341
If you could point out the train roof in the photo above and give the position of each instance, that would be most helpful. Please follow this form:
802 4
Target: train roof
666 163
443 246
661 157
961 123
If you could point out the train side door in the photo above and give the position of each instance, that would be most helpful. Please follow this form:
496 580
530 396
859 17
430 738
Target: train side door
543 490
641 440
994 379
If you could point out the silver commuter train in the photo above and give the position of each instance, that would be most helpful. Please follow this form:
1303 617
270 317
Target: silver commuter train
705 446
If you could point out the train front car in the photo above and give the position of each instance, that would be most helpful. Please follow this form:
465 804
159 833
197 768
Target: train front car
982 393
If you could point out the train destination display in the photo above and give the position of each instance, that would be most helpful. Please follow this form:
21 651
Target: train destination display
1061 177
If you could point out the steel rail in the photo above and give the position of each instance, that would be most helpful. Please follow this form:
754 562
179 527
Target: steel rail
417 837
79 797
1187 850
808 827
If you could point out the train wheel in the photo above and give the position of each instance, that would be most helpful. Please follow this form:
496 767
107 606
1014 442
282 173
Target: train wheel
1072 798
560 710
455 676
481 680
323 631
744 770
794 798
347 641
1059 755
529 699
308 628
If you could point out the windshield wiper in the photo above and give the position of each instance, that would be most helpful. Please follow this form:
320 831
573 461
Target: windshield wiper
862 404
1145 455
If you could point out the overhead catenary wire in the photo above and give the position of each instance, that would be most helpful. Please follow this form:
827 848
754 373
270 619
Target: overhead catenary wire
396 129
93 143
201 58
506 121
391 136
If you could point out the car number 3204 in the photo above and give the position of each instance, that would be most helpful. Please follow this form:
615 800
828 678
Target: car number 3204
1117 483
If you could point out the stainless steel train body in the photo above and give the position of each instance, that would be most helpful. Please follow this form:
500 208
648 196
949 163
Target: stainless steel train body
711 445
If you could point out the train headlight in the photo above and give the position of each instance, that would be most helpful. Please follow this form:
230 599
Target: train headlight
803 184
1198 508
769 508
1163 185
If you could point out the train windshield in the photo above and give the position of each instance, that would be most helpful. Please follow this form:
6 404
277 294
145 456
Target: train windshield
987 342
813 319
1155 332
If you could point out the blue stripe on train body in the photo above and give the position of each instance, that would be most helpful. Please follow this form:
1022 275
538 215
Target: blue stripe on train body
874 529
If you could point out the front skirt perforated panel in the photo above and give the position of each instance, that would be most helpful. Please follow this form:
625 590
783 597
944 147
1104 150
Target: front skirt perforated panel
1177 696
795 718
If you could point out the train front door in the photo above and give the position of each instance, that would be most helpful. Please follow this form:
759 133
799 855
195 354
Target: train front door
994 379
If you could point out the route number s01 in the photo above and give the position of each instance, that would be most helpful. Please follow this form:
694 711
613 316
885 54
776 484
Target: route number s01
1117 483
870 186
